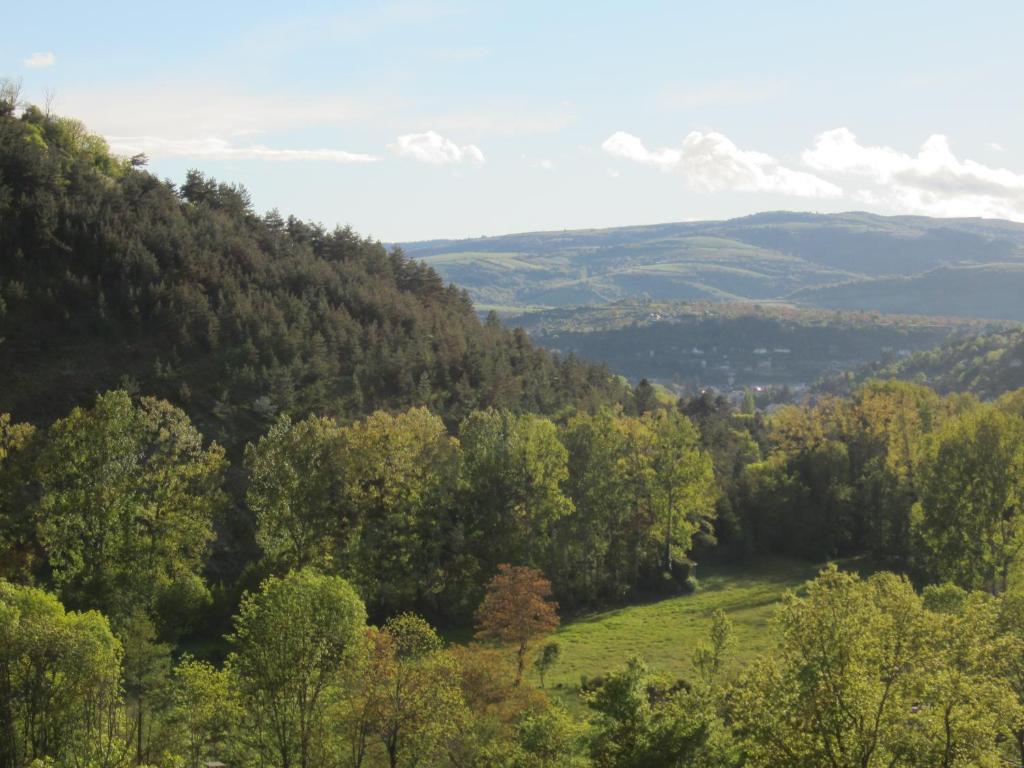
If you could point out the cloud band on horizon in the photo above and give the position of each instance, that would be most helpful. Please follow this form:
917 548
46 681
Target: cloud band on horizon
711 162
221 149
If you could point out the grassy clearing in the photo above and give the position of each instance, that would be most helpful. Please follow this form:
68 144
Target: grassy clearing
664 633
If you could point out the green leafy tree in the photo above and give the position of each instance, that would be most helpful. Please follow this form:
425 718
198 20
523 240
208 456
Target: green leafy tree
893 419
296 480
709 657
1008 659
684 486
963 700
546 659
864 675
970 517
206 711
594 564
18 546
642 720
128 499
547 737
291 644
402 473
146 672
409 702
645 398
59 683
637 536
513 470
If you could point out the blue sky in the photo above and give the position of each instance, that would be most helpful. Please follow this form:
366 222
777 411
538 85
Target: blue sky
414 120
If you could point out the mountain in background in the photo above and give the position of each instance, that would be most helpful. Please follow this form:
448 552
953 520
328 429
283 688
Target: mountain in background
854 261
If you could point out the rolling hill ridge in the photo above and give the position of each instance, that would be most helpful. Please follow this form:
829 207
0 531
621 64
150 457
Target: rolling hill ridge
856 261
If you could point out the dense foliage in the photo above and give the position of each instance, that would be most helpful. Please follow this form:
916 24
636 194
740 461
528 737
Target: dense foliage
116 507
864 673
987 365
927 484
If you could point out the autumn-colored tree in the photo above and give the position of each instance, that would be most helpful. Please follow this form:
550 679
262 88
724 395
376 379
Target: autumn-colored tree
517 609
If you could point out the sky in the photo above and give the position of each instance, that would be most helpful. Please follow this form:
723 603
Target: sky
417 120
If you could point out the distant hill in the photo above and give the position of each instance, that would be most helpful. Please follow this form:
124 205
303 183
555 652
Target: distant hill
691 345
848 260
987 290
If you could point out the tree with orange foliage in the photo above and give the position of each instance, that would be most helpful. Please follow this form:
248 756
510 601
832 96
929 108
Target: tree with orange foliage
517 610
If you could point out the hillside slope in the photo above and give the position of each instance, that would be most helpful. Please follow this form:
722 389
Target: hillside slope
987 365
111 277
691 345
988 291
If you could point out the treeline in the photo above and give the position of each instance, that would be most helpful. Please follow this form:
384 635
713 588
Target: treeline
111 277
864 674
608 505
928 485
116 506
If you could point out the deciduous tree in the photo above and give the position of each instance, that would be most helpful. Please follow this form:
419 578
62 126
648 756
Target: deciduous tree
128 498
59 683
291 642
517 610
970 517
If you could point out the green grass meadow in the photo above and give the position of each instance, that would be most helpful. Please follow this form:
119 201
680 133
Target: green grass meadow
665 633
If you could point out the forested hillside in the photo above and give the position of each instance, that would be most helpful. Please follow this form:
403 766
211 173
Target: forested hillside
986 365
111 277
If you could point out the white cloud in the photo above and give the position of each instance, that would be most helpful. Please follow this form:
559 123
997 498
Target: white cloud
934 181
433 148
199 110
220 149
712 162
995 146
40 60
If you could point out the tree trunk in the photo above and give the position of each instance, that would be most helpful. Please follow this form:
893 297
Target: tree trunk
393 752
520 663
138 734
